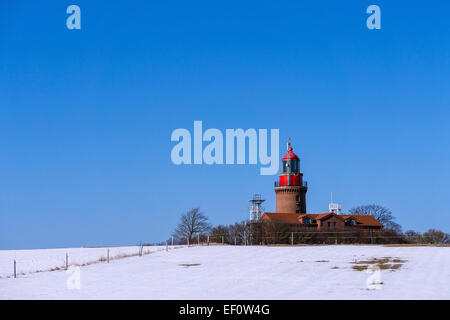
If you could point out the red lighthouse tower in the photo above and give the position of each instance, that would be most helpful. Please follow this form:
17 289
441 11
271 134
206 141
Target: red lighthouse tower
291 189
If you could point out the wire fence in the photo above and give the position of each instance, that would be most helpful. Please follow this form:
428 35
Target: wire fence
26 263
294 238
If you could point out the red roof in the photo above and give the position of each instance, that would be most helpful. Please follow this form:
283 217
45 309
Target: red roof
363 220
322 216
291 155
294 218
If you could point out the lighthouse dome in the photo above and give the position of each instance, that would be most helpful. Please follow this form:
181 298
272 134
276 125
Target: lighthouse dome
290 155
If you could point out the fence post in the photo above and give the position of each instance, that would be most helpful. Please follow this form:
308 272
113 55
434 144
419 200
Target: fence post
67 261
198 239
222 240
235 241
292 238
167 246
172 241
188 241
15 275
208 239
107 255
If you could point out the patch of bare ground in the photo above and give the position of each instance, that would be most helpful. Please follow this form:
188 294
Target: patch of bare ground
189 264
376 283
396 266
55 269
360 268
385 263
322 260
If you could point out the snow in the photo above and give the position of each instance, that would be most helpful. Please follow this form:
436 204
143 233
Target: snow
236 272
45 259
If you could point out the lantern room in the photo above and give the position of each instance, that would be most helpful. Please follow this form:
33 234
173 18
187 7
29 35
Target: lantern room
290 173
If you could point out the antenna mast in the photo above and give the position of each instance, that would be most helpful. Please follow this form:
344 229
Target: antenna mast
334 207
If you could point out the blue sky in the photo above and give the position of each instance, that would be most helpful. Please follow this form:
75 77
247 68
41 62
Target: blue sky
86 115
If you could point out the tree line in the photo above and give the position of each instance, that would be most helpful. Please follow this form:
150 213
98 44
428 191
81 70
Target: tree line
194 226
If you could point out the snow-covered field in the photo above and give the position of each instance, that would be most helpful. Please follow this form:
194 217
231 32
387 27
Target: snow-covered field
45 259
229 272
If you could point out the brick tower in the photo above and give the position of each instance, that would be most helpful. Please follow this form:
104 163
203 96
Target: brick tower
291 189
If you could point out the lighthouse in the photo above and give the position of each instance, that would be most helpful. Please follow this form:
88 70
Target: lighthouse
291 189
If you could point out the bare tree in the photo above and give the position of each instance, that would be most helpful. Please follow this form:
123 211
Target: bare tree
191 223
275 232
220 231
240 231
382 214
237 233
413 236
436 237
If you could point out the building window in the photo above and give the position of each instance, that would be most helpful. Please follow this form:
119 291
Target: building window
297 211
329 224
297 198
334 225
306 220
